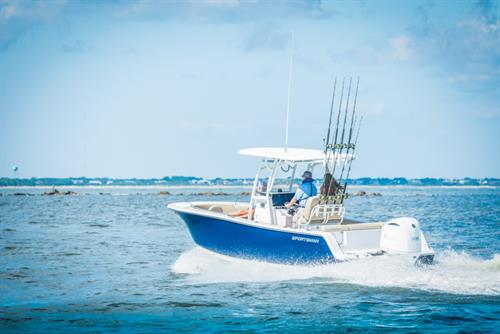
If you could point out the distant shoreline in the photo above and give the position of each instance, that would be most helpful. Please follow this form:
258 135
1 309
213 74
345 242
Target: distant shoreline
160 187
196 182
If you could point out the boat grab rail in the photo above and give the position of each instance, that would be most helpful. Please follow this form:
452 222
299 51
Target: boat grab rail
327 211
319 212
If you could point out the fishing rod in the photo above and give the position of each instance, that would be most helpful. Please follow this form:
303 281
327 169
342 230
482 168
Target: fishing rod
331 149
337 150
327 143
330 119
340 145
334 147
349 143
344 191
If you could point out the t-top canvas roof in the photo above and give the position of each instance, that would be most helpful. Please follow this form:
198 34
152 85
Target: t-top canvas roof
280 153
290 154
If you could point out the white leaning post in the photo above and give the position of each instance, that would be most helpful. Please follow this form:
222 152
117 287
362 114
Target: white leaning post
327 211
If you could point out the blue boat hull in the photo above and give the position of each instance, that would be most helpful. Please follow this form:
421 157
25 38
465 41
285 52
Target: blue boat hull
253 242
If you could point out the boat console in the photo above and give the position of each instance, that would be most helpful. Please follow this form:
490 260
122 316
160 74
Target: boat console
280 198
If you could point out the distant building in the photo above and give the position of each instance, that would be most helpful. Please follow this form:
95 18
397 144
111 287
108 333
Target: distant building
201 182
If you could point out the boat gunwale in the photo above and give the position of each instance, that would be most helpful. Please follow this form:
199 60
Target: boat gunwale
190 208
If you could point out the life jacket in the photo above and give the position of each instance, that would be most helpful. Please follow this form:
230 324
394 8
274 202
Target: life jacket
309 189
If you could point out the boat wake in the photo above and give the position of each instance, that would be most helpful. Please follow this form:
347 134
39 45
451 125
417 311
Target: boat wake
457 273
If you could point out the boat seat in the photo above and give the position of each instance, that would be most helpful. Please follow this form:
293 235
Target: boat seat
221 207
317 212
216 208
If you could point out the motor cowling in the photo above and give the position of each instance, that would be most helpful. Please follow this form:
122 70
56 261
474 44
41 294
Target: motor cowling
401 235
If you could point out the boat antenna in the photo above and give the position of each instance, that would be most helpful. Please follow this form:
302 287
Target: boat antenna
349 142
289 91
344 190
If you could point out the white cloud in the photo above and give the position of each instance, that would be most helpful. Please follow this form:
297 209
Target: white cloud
16 17
31 10
401 47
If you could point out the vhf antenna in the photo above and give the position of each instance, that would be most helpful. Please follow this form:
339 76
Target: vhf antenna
289 91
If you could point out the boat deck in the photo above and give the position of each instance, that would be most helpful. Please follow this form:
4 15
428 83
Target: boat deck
226 209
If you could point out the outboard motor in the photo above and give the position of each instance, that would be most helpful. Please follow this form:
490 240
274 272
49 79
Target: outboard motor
401 235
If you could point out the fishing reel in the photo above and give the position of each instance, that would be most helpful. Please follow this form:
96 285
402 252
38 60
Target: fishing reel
345 146
340 198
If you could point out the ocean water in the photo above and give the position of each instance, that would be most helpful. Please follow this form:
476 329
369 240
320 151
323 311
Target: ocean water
122 262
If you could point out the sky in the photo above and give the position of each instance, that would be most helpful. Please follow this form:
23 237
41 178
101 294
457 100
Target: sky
155 88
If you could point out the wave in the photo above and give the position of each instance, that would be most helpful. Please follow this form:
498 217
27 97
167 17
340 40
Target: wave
453 272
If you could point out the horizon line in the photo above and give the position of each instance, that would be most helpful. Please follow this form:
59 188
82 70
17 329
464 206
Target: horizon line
251 177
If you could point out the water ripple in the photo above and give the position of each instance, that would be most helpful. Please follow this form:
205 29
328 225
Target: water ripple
126 263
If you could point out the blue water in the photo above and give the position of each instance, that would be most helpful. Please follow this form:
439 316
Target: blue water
122 262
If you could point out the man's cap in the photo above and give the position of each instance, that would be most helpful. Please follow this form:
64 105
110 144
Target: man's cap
307 174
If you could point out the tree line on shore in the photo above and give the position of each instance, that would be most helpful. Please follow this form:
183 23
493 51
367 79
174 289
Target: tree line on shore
55 192
191 180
